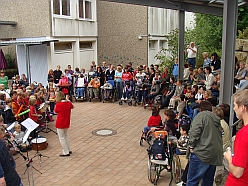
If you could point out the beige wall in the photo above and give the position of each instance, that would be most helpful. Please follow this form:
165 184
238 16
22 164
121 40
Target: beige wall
119 26
32 17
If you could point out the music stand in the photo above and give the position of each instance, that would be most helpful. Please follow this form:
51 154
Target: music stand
47 129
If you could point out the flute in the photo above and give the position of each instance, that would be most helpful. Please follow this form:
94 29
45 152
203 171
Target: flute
15 144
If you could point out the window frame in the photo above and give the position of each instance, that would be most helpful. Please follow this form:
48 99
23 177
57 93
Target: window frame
84 12
61 9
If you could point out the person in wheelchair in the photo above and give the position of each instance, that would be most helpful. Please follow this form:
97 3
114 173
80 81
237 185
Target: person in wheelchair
94 86
153 121
107 88
153 93
169 123
127 91
80 85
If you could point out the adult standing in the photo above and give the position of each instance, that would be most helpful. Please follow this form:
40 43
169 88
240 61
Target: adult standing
191 50
4 79
238 162
110 73
50 76
206 60
57 74
104 67
215 62
63 109
209 78
118 81
8 174
24 80
205 144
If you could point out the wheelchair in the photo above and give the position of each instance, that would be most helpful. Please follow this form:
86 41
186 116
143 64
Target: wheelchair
171 163
93 96
85 96
113 92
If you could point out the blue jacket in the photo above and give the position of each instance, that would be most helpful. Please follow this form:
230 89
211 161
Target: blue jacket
175 70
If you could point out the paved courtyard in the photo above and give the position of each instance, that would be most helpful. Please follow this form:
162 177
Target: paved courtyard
96 160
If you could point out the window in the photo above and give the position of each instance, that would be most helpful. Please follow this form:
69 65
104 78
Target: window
85 9
62 46
61 7
151 45
161 44
84 45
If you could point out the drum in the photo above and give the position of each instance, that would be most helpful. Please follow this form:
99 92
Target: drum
39 143
42 107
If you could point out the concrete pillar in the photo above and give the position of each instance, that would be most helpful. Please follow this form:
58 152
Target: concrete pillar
181 42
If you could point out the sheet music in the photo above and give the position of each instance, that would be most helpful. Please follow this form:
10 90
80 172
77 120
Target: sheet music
30 126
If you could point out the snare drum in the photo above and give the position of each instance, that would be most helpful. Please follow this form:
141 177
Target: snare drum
42 107
39 143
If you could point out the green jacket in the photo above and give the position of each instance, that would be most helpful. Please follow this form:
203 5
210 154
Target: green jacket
205 136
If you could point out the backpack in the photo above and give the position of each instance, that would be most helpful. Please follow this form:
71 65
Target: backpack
158 150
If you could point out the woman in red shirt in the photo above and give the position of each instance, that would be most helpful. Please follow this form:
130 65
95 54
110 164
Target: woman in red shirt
126 76
63 109
154 121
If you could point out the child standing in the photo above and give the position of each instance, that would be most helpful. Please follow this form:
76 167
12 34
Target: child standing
51 98
183 140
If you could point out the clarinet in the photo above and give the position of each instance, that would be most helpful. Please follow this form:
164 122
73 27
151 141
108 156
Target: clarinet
15 144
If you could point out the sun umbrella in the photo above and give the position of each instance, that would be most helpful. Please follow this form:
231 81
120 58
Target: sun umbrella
3 62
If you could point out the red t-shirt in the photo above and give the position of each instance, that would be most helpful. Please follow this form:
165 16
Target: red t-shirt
240 158
32 111
63 109
154 121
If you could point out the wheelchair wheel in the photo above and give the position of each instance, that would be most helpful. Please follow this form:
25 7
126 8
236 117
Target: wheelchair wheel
149 137
176 169
130 103
152 172
141 142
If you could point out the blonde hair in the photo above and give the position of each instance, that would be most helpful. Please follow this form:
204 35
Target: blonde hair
119 68
31 101
240 98
17 125
219 112
8 100
60 96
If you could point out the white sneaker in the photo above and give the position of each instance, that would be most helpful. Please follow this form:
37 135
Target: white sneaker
76 97
125 99
146 105
122 98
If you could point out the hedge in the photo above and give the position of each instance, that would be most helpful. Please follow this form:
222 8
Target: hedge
11 72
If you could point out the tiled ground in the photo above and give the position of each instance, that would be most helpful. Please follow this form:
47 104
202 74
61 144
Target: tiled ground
112 160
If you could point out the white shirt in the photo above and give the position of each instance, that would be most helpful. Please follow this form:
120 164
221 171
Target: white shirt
192 54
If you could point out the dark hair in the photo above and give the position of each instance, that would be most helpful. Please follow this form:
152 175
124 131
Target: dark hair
170 113
215 55
12 93
155 112
180 81
185 128
191 69
205 106
186 65
173 79
208 69
76 69
226 109
203 87
182 97
201 68
196 88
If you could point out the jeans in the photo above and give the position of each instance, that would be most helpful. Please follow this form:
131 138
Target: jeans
80 92
192 62
199 170
119 86
146 129
167 100
195 112
127 95
52 105
140 94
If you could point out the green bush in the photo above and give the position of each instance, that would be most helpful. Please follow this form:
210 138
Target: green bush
11 72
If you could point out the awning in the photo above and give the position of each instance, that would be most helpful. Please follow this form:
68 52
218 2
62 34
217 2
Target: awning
27 42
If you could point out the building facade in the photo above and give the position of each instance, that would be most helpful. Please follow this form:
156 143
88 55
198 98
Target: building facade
73 24
119 28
